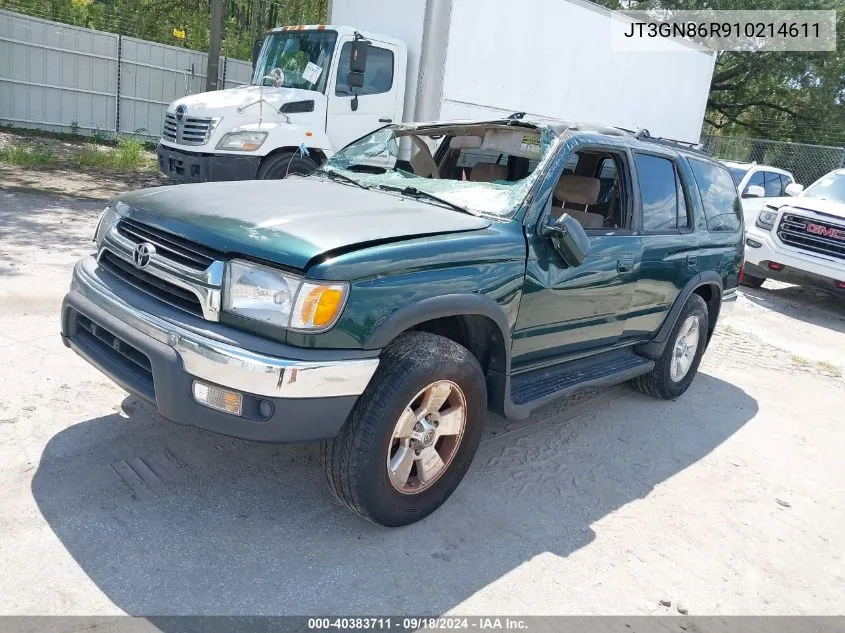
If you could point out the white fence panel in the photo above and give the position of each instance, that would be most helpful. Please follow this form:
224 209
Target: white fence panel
52 75
58 77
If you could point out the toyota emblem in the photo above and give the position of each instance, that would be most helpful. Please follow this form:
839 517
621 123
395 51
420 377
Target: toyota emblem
142 254
181 111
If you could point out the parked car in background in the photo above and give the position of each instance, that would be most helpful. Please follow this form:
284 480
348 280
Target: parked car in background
381 306
759 183
801 239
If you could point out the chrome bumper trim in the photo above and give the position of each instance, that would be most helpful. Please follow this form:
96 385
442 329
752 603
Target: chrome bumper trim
226 364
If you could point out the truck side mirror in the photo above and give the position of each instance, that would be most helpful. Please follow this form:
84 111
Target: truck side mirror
256 50
358 56
568 238
793 189
355 79
754 191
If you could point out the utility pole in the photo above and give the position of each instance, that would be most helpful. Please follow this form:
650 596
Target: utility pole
214 45
254 21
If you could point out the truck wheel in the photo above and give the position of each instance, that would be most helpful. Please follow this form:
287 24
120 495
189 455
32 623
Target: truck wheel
674 370
410 438
751 281
286 164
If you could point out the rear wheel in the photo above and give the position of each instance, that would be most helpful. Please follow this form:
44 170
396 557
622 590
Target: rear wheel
674 370
751 281
412 435
285 164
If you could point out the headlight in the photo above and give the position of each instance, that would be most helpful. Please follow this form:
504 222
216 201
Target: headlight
242 141
108 218
271 296
766 219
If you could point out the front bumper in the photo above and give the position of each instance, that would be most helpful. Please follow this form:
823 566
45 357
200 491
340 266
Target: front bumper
799 267
157 357
186 166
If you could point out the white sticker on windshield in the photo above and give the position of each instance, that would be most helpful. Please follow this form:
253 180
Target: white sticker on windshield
312 73
826 182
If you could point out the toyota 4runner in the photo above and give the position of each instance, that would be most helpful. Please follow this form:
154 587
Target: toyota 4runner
426 273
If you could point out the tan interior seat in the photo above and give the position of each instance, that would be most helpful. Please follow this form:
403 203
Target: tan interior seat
488 172
581 190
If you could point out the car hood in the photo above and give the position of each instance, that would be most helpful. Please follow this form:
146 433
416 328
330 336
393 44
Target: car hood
220 102
824 207
289 222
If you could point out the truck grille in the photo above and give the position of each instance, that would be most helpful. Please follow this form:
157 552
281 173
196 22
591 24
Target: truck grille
150 284
812 235
171 246
188 131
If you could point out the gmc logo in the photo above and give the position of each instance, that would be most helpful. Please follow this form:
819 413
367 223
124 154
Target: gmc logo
825 231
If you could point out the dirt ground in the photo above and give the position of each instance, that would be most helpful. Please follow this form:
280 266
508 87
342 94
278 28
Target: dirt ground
64 178
730 500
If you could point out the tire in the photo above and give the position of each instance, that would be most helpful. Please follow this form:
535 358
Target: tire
278 166
357 462
660 382
751 281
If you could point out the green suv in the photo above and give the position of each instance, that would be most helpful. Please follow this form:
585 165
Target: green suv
424 274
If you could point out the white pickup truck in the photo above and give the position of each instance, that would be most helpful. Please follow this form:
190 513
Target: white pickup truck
316 88
800 239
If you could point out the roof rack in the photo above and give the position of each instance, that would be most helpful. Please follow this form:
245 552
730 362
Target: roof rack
645 135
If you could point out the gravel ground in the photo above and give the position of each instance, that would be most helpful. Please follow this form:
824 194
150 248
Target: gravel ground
726 501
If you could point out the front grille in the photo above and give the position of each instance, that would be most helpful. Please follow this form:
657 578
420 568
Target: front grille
189 131
172 247
136 365
154 286
812 235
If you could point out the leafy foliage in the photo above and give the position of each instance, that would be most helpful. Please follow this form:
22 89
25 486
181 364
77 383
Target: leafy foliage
786 96
155 20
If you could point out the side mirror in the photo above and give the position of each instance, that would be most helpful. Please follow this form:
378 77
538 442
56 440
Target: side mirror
754 191
256 50
358 56
793 189
355 79
568 238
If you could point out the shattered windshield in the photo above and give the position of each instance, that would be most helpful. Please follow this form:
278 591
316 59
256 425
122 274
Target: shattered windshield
295 59
483 168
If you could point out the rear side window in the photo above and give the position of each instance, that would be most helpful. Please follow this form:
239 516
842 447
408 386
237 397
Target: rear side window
718 196
663 208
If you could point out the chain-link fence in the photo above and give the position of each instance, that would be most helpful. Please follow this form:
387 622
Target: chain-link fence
806 162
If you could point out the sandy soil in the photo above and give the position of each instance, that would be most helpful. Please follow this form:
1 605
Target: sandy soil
726 501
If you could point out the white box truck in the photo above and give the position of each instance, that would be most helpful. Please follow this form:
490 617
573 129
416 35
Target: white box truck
316 88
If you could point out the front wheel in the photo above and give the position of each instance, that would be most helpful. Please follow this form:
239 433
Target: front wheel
674 370
285 164
411 437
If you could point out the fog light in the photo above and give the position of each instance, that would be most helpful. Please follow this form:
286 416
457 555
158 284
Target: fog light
217 398
753 243
265 408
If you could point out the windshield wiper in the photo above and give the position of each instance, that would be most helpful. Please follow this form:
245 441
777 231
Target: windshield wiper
335 175
413 192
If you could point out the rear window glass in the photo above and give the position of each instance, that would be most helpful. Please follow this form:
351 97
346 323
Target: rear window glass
659 193
718 196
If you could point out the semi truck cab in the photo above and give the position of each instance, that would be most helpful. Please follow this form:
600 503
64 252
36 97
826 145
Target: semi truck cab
313 90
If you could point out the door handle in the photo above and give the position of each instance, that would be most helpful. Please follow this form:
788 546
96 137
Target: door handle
385 119
625 263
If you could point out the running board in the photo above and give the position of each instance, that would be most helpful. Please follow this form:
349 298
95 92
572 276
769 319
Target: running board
533 389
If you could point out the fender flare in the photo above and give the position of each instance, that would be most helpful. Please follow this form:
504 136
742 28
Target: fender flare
654 348
438 307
